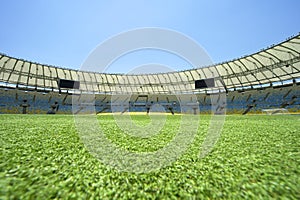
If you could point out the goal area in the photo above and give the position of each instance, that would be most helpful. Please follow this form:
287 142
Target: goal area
274 111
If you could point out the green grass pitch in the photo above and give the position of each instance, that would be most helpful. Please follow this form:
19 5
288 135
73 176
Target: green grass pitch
256 157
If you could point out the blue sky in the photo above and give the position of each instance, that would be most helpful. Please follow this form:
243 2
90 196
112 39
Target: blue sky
64 32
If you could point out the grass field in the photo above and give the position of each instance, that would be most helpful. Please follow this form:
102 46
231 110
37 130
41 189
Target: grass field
256 157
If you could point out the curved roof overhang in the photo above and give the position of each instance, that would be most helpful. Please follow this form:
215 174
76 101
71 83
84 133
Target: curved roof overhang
278 63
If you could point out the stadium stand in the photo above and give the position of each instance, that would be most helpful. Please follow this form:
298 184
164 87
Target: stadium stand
268 79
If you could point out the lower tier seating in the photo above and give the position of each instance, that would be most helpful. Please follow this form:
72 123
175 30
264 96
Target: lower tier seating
253 101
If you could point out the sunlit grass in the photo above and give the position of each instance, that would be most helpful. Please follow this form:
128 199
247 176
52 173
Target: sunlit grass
256 157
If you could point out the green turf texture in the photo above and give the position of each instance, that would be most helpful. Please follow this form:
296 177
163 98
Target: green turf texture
256 157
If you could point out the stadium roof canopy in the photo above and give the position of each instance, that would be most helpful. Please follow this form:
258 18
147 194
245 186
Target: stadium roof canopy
278 63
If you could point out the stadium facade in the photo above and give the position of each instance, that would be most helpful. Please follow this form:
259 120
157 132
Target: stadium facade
266 80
